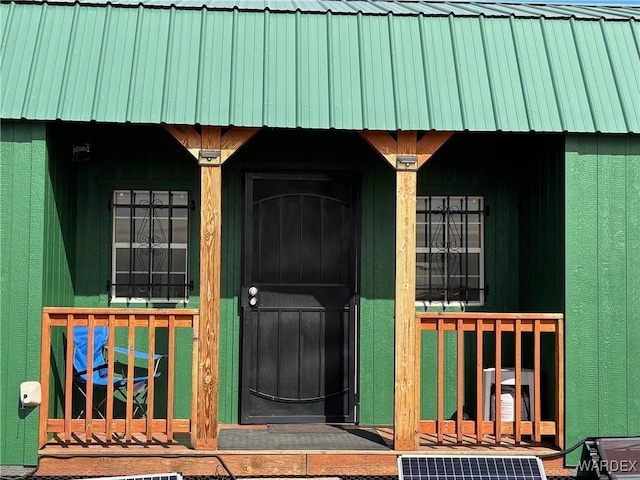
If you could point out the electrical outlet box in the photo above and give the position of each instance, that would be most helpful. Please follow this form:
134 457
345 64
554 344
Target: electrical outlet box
30 394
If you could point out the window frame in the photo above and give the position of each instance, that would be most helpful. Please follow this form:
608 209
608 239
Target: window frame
166 244
479 250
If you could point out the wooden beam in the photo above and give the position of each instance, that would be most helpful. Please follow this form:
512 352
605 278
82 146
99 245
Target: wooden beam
383 143
206 421
406 410
406 155
188 137
429 144
211 148
233 139
211 139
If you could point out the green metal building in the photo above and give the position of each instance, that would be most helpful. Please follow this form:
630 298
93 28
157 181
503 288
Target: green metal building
543 102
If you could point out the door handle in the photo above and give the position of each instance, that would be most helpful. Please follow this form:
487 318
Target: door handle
253 295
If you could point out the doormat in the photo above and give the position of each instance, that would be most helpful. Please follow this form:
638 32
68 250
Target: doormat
302 428
338 439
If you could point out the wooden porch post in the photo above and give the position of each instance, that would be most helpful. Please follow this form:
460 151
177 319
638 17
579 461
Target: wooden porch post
211 148
406 155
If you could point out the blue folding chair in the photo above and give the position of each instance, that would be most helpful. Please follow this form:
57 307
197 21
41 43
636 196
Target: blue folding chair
99 375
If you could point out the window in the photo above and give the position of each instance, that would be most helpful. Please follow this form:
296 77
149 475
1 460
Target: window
450 250
150 254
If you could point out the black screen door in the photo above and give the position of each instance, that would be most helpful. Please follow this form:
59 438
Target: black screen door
299 303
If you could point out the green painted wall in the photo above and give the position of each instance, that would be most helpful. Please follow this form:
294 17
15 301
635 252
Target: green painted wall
55 222
471 164
521 178
78 226
23 165
542 227
378 291
602 286
59 249
542 249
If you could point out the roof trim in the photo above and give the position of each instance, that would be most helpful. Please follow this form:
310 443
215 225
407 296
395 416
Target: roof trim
440 8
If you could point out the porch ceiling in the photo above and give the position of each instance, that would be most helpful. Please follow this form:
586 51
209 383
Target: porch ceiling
408 67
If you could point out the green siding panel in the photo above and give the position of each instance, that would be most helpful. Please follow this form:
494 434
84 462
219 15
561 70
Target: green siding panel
602 248
231 276
542 230
611 284
377 296
23 164
632 176
59 226
459 72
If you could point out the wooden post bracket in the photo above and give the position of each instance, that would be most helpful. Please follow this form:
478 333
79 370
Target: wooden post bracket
406 154
400 153
211 148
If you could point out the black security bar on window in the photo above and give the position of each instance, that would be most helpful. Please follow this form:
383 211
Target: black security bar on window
447 253
151 248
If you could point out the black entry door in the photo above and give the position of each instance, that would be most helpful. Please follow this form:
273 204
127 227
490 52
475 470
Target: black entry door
299 299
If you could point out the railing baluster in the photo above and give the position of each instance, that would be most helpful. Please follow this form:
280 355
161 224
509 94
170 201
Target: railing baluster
130 375
498 391
479 406
537 409
171 373
440 388
151 373
460 380
88 413
194 375
517 417
111 342
68 380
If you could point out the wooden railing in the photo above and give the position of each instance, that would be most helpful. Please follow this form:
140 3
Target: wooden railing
57 330
461 429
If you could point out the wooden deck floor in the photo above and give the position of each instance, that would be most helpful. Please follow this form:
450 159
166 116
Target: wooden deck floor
80 458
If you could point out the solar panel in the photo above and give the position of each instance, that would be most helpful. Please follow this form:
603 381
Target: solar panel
154 476
479 467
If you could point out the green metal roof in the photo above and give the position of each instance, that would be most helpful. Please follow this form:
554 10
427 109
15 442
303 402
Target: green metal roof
446 71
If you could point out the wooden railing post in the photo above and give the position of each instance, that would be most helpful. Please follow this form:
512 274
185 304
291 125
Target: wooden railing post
560 383
45 378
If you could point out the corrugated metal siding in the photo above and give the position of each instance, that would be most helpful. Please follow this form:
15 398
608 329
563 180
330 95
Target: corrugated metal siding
177 66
